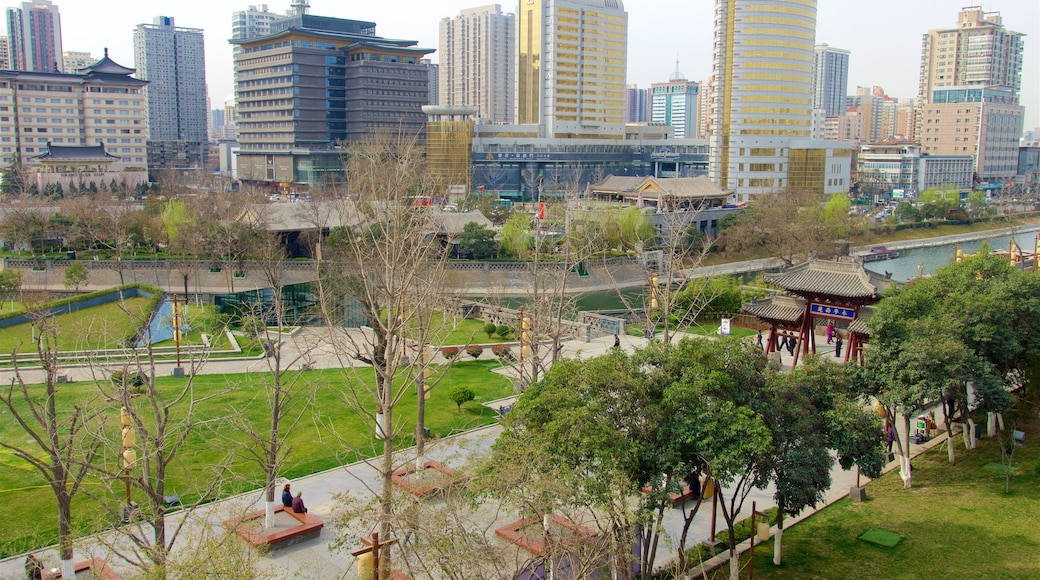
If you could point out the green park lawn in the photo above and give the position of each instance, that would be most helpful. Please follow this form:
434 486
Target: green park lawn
329 436
956 522
97 327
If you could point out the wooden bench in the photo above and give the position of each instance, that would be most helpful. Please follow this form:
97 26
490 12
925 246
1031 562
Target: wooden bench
308 527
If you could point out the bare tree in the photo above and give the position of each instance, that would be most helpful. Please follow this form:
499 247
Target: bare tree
62 449
391 267
289 390
161 420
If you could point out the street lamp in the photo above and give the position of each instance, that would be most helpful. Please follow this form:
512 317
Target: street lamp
129 456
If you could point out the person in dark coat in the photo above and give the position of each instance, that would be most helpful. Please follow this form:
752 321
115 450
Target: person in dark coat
617 341
837 345
297 504
287 496
792 343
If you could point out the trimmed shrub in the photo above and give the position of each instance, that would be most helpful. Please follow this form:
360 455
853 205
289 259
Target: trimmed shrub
503 352
503 330
460 394
474 350
489 329
450 353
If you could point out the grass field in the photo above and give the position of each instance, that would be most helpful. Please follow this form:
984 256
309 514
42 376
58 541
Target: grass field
330 435
98 327
956 522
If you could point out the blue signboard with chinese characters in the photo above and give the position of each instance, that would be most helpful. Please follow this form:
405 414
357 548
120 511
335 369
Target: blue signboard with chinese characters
832 311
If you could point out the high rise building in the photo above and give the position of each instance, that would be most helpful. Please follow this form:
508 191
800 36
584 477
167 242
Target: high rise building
5 53
73 61
674 103
830 79
433 80
571 74
172 60
315 84
968 101
253 22
477 51
34 33
636 104
762 100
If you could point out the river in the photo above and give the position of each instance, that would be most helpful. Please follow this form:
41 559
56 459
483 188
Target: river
906 266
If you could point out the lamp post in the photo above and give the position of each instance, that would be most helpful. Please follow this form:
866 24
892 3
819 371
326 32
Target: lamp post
129 456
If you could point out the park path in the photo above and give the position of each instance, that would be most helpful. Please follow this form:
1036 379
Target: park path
317 558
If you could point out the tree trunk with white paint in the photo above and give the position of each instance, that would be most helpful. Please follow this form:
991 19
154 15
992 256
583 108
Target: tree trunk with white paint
68 569
269 514
734 567
777 537
991 424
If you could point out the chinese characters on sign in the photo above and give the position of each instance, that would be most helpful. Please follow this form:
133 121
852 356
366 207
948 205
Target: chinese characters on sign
832 311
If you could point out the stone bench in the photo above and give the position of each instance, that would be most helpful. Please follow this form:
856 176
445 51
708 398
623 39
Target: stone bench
250 528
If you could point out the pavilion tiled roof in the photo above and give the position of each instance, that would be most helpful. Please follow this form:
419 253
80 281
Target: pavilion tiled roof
859 325
779 308
76 153
829 277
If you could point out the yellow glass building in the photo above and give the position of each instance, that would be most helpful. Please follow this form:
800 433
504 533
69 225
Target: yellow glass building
571 66
762 97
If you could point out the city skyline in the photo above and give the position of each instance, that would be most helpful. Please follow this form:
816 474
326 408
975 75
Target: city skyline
885 41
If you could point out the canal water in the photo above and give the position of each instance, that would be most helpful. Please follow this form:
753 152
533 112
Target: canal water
909 262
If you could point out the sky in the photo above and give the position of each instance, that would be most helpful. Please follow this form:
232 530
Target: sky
884 36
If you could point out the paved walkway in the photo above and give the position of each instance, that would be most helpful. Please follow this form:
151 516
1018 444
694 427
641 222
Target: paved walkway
316 558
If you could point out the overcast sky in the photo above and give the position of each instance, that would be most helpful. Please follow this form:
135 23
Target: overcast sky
883 35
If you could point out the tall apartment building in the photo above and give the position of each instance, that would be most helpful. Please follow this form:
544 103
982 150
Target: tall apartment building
34 33
433 80
674 103
762 101
969 83
5 53
317 83
636 104
172 59
103 106
477 52
572 61
253 22
72 61
830 79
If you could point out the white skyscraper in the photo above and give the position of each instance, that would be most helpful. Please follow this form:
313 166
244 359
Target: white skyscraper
830 79
253 22
477 62
674 103
172 59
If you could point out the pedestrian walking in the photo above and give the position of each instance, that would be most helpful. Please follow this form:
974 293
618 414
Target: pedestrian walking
759 339
890 436
837 345
830 331
617 341
792 343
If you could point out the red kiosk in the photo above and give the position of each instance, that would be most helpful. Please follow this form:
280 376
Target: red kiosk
836 290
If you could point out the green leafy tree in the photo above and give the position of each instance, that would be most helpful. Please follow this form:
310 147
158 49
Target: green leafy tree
460 394
836 215
517 238
10 285
477 240
76 275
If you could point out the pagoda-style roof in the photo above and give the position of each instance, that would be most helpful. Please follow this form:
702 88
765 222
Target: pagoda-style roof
682 187
779 308
837 279
107 66
859 325
75 154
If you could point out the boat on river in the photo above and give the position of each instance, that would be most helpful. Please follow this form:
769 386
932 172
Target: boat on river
878 253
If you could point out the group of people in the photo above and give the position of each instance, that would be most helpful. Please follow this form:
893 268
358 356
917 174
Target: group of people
295 503
789 343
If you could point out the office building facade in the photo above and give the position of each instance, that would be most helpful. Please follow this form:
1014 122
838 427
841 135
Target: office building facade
572 61
103 106
5 53
34 35
73 61
316 84
762 100
674 103
477 62
172 60
830 79
968 97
